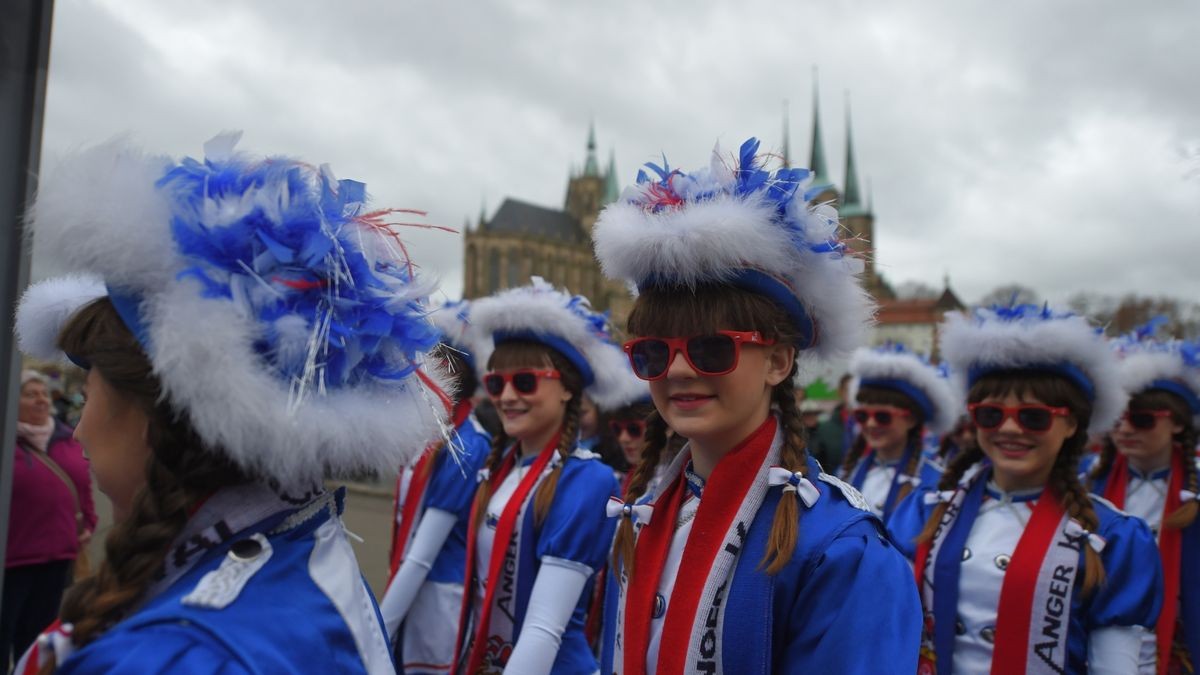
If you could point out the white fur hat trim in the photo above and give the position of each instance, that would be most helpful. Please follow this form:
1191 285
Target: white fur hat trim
871 364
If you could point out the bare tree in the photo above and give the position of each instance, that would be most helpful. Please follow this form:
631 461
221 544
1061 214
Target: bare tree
1010 294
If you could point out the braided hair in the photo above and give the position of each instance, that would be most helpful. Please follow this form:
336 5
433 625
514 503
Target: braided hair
529 354
180 471
1053 390
871 395
707 308
465 384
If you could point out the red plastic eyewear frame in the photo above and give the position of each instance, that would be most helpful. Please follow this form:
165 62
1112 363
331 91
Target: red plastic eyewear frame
884 417
1026 415
1144 420
657 369
524 381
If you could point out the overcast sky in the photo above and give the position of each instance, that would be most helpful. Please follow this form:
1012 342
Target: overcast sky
1051 144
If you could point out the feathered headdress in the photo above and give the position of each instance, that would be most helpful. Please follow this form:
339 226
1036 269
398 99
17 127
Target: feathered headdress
894 367
279 312
745 226
1170 365
1032 337
541 313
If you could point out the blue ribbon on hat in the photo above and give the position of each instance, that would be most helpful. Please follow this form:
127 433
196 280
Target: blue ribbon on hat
905 387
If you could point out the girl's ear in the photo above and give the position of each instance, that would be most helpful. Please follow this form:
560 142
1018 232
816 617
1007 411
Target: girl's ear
780 359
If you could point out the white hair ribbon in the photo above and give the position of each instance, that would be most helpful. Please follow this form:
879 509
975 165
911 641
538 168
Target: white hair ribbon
484 475
1077 531
794 481
640 512
935 496
1188 495
911 480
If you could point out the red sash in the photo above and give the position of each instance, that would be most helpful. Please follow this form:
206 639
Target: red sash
731 479
416 492
1015 612
504 532
1170 545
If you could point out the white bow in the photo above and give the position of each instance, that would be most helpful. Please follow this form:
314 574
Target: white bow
911 480
794 481
641 512
934 497
484 475
1077 531
1188 495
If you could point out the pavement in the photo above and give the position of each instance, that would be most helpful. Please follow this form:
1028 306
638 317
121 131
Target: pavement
368 515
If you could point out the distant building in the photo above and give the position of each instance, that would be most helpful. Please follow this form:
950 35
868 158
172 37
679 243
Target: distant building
914 322
523 239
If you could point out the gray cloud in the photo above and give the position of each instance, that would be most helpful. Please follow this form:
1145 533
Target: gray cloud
1030 142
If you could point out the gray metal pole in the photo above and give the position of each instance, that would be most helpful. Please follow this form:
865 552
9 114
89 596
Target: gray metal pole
24 58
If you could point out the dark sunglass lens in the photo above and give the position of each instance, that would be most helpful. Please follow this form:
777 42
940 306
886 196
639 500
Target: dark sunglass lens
494 384
1141 420
861 416
615 428
1035 419
636 429
883 417
712 353
988 416
649 358
524 383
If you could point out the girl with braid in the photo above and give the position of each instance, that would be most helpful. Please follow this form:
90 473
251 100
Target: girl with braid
899 397
1148 467
1020 570
538 533
229 373
745 558
432 513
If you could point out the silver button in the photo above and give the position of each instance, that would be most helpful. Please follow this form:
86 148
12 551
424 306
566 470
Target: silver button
660 606
988 634
1002 561
966 553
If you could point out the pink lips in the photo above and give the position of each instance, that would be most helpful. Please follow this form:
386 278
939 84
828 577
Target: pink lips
690 401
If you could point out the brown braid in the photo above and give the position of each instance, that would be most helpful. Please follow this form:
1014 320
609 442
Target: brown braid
793 456
656 445
179 473
1054 390
914 461
968 457
567 441
1108 455
1186 514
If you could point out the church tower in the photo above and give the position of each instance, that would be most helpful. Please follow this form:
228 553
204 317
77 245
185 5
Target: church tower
856 214
586 191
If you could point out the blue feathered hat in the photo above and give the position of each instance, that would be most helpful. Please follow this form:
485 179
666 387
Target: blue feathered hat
566 323
740 224
894 367
1167 364
278 311
1033 337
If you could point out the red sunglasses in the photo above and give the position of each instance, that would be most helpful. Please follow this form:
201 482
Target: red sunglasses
708 355
524 381
1144 420
883 416
1030 417
635 428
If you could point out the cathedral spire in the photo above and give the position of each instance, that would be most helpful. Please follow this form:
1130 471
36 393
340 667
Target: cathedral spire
850 191
591 167
816 160
612 187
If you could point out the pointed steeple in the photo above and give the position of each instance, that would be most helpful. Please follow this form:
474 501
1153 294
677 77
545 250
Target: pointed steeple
787 141
612 188
482 212
591 167
816 159
850 192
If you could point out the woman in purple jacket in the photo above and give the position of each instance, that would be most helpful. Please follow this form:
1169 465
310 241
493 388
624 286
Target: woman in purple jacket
51 518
